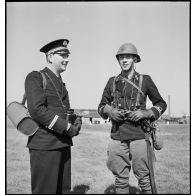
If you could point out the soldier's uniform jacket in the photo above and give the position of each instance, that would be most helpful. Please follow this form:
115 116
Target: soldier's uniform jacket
46 109
126 96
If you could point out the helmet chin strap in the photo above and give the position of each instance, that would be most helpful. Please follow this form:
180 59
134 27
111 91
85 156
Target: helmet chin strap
134 66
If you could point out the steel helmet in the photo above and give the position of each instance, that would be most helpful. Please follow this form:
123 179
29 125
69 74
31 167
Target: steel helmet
128 48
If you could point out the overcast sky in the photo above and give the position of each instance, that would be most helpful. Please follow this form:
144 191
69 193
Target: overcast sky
159 30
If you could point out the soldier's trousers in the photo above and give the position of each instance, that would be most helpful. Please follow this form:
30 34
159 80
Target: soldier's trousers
119 160
50 171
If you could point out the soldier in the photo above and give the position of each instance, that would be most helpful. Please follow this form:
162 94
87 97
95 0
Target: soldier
50 146
124 102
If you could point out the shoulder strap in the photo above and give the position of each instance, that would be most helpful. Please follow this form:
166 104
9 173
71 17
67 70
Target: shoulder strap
44 87
140 86
113 85
114 92
23 99
44 80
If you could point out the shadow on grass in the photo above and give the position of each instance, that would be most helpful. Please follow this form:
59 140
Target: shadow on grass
80 189
132 190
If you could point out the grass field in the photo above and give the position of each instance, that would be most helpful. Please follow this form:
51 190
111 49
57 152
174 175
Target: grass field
89 172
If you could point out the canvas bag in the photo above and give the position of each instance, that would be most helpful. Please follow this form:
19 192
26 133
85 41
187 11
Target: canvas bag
20 117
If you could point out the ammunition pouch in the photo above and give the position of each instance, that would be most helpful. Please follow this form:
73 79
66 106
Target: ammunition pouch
148 127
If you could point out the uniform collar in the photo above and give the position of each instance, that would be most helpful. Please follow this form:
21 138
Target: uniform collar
52 74
135 75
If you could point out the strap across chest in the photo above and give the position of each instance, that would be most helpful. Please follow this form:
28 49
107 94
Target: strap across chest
140 92
56 91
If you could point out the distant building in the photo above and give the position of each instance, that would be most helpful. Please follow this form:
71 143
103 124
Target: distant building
184 120
166 119
91 116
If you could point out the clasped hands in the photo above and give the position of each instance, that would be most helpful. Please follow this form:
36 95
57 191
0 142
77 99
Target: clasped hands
75 128
118 115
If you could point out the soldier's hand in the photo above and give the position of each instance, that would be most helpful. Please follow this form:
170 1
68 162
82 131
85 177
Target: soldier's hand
74 130
78 120
139 114
113 113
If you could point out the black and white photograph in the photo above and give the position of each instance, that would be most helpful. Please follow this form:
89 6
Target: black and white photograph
98 97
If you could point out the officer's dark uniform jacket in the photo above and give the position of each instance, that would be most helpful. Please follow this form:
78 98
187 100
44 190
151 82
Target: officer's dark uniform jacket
126 97
45 108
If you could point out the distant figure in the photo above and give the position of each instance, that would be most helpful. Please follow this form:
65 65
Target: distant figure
124 102
50 146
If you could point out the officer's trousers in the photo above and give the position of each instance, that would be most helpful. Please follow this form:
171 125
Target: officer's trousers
119 160
50 171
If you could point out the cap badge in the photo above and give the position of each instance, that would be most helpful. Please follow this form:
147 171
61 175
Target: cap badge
64 43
